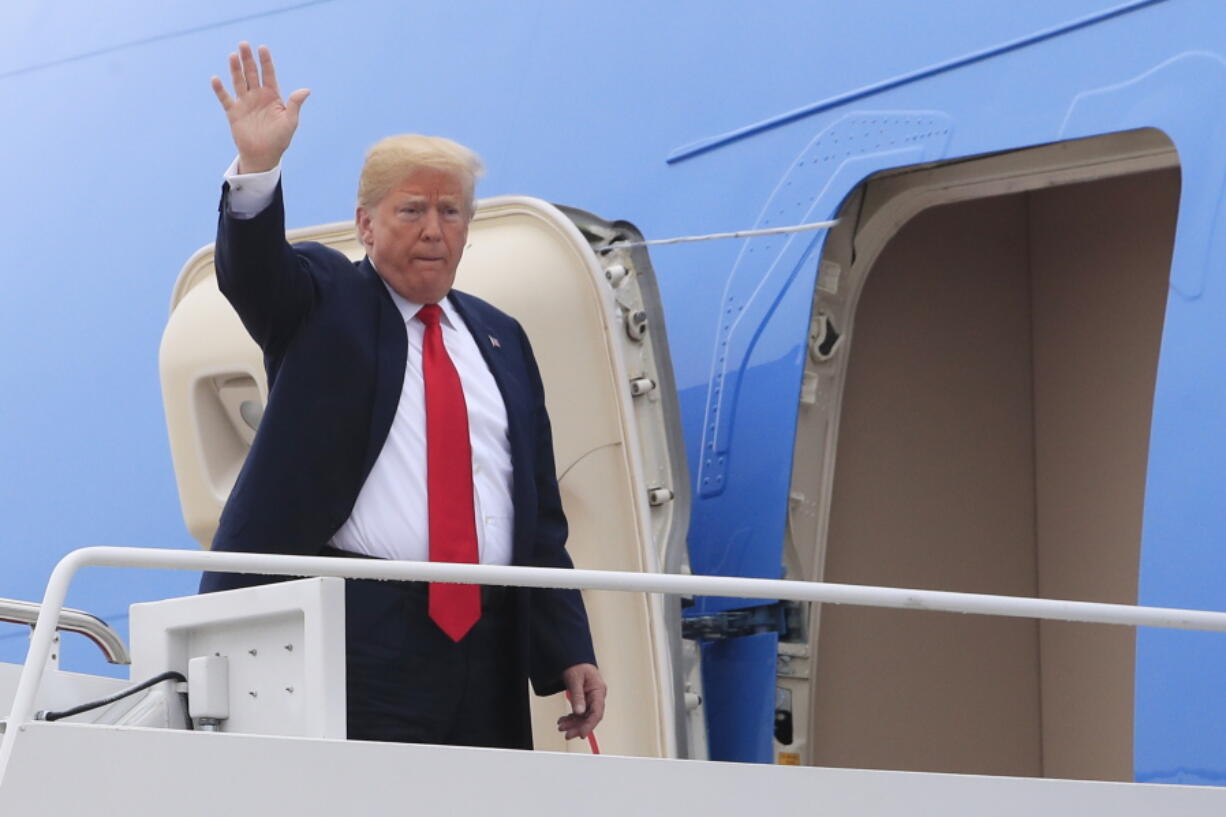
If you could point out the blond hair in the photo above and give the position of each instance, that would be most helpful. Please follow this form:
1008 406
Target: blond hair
393 158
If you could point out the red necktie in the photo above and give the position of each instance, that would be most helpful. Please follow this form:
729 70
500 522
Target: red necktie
455 608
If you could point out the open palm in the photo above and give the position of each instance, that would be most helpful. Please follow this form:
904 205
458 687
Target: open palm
261 124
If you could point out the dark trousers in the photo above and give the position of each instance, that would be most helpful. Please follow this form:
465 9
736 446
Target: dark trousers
409 682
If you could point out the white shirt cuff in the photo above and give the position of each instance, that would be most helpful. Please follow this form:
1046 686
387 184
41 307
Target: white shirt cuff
250 193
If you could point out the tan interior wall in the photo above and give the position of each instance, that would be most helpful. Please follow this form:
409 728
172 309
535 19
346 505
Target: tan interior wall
993 439
1100 256
934 488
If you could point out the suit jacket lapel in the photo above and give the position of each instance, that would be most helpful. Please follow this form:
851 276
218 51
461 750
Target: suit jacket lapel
391 350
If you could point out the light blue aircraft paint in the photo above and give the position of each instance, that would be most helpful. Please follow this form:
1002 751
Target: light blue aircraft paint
685 118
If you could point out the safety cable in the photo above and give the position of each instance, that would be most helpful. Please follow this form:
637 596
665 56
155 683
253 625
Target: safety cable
170 675
686 239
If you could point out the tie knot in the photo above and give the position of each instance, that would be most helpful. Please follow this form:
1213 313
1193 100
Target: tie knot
430 314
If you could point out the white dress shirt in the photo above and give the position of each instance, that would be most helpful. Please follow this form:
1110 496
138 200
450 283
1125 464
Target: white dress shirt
390 518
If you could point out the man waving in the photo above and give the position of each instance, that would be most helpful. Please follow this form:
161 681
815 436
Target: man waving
398 428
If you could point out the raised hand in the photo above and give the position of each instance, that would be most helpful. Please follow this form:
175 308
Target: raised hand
261 124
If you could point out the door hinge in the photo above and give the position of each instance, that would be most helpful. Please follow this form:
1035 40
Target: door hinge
641 385
658 496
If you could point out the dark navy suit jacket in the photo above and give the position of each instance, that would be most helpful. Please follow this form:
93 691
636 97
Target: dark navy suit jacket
334 348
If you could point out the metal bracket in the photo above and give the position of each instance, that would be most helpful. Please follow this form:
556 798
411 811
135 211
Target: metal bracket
772 618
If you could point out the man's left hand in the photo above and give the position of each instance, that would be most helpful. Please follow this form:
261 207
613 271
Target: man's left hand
587 693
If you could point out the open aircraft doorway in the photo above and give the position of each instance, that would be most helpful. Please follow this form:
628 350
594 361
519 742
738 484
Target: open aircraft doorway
975 416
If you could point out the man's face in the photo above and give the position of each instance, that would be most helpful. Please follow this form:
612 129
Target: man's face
416 234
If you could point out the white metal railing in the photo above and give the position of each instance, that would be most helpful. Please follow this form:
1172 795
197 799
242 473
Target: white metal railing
891 597
95 629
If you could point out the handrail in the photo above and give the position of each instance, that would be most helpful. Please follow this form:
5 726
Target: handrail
95 629
269 564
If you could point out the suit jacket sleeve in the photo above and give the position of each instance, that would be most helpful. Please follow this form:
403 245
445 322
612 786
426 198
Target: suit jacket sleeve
558 627
261 275
266 283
